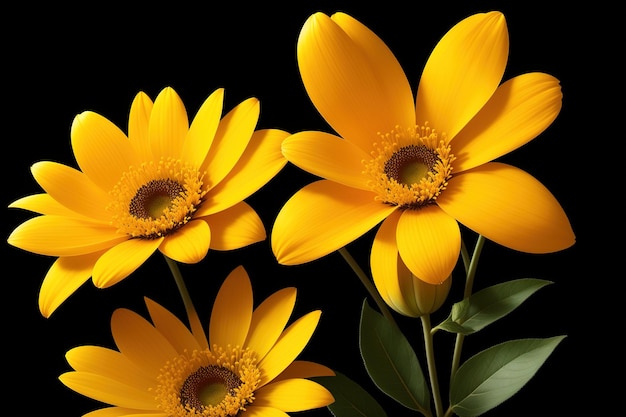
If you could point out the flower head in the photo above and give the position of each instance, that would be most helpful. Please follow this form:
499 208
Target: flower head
169 186
246 367
420 166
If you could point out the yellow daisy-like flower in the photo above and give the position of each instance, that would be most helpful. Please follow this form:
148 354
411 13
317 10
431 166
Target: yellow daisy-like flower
168 185
247 367
421 166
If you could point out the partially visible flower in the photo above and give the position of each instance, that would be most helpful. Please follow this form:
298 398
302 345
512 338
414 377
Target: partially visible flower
419 166
398 287
247 367
168 186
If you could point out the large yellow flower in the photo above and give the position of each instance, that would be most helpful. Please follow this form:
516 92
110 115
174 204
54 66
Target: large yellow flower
246 368
422 166
169 185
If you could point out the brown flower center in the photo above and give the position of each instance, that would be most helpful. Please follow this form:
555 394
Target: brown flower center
208 386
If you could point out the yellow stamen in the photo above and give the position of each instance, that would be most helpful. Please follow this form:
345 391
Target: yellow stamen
156 198
410 167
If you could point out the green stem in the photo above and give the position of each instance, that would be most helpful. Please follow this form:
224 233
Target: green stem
469 282
367 283
432 368
194 320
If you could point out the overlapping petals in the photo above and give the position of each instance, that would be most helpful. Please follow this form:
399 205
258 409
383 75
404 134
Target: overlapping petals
169 186
358 86
129 377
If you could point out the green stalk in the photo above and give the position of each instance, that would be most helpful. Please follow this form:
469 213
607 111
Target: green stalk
368 285
432 368
469 282
194 320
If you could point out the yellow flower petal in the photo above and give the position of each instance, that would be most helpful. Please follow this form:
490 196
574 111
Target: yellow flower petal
232 136
462 72
172 328
63 236
260 162
189 244
269 320
168 124
519 111
43 204
509 207
107 390
232 311
123 412
138 122
327 156
140 342
326 216
288 347
352 78
64 277
110 364
254 411
122 260
304 369
72 189
429 242
235 227
203 128
292 395
384 265
102 150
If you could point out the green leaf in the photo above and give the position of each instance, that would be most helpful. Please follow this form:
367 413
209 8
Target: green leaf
489 304
496 374
351 400
391 362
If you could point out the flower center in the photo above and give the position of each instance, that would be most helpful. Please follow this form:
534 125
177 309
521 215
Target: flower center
156 198
410 167
208 383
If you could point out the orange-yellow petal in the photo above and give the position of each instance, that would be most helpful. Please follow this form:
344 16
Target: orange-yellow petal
123 412
352 78
510 207
43 204
235 227
64 277
327 156
257 411
73 189
138 122
260 162
107 390
171 327
189 244
140 342
102 150
203 128
304 369
326 216
168 124
292 395
291 342
462 72
63 236
122 260
269 320
429 243
233 135
520 109
232 310
384 265
108 363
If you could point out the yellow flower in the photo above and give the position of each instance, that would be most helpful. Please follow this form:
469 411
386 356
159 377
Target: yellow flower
247 366
169 185
421 166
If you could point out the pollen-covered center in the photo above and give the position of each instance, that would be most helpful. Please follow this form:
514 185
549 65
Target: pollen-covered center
410 167
156 198
208 383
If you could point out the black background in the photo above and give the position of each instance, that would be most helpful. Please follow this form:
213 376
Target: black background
60 61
